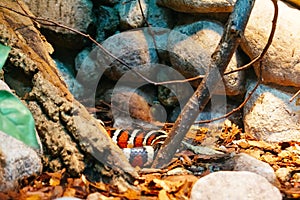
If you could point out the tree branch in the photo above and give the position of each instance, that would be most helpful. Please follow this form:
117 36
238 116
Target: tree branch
221 57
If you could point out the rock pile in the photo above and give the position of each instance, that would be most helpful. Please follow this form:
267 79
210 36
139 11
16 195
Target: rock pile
175 40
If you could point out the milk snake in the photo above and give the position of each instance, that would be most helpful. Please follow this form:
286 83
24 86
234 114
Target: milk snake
139 146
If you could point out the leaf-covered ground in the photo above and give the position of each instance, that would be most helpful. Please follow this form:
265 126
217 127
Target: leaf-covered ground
175 181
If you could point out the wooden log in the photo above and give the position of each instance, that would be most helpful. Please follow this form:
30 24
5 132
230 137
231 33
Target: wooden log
69 134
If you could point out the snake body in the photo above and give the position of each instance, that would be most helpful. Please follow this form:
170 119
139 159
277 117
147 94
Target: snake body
139 146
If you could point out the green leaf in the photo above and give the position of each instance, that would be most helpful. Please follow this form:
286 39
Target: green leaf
4 51
16 120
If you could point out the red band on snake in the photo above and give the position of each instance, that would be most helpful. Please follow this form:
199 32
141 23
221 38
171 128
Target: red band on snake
138 146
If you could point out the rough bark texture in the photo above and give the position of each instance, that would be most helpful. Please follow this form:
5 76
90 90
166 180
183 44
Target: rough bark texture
68 132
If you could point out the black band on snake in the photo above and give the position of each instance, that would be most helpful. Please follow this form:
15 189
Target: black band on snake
139 146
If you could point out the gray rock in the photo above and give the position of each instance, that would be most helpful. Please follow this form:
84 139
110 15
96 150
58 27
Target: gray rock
80 59
17 161
173 115
160 16
190 48
107 22
68 76
135 48
171 95
4 86
76 14
159 112
192 6
160 36
86 68
109 2
228 185
282 62
130 13
269 115
245 162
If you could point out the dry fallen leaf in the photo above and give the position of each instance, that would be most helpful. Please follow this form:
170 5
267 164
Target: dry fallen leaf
176 180
69 192
163 195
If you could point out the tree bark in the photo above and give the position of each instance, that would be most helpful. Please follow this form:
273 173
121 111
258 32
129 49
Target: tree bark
70 135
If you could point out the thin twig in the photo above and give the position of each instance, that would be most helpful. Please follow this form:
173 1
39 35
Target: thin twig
143 15
233 110
248 65
149 30
294 96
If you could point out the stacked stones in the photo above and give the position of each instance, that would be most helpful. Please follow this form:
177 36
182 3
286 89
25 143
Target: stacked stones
182 37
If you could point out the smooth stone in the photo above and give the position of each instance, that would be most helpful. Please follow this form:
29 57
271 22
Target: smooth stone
245 162
17 161
227 185
130 13
76 14
193 6
159 16
281 63
136 48
190 49
107 22
270 116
